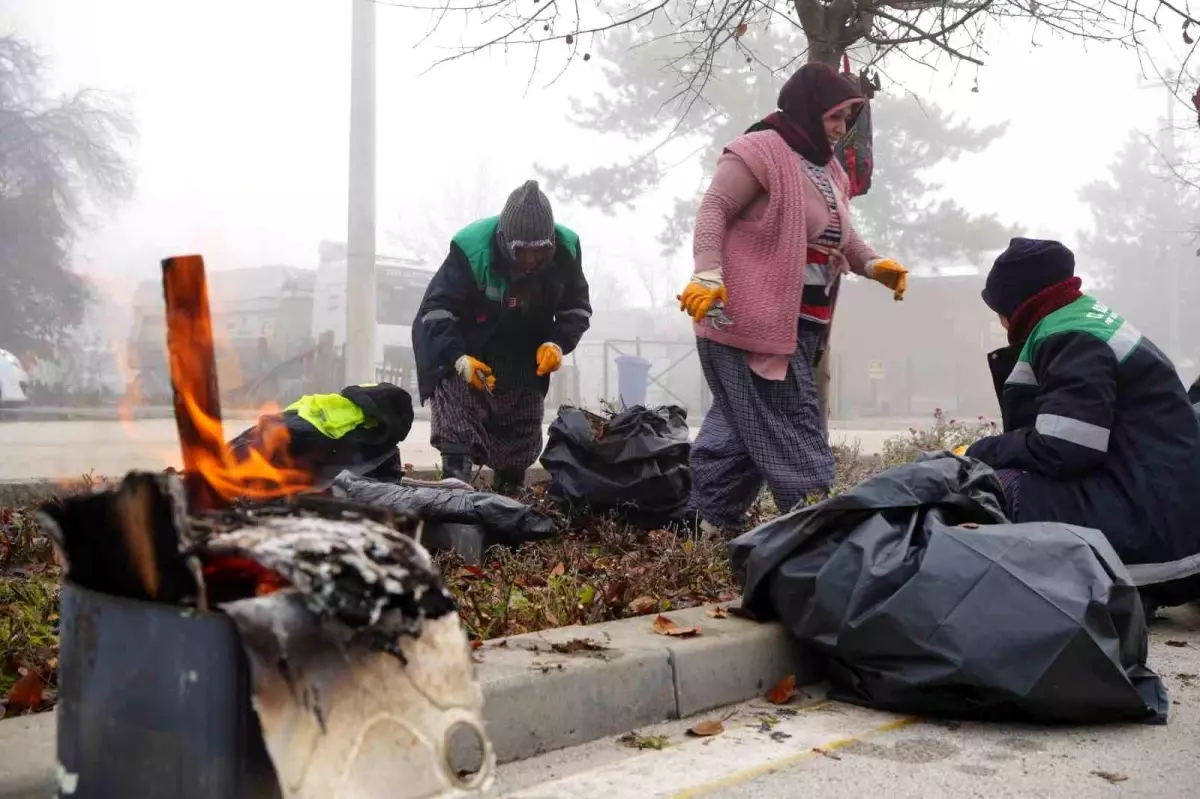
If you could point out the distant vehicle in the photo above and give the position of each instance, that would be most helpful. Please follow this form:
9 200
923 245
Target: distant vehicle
13 379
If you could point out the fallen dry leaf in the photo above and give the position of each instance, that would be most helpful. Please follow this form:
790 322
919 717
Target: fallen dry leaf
704 729
782 694
718 613
578 645
643 605
664 626
741 613
1177 643
826 753
559 570
27 693
635 741
1111 776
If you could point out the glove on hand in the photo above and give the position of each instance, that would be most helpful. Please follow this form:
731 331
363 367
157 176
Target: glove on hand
549 358
701 292
890 274
469 369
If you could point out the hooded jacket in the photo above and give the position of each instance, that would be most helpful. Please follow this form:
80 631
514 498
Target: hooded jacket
1098 419
357 430
472 307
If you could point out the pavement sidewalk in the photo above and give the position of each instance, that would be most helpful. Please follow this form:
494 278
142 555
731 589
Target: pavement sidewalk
538 700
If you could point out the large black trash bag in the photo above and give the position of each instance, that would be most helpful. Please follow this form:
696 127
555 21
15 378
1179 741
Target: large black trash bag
506 521
923 599
636 466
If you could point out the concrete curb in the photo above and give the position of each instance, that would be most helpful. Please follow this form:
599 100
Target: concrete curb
538 700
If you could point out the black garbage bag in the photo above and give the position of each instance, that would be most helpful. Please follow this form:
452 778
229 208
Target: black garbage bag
505 521
923 599
635 463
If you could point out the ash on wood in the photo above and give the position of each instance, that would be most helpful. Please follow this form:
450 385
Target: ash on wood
362 579
193 371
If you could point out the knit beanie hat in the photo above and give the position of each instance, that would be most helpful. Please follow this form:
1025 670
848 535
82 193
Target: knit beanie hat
1026 268
527 219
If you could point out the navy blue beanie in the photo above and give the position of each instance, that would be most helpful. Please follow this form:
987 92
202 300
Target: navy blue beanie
1026 268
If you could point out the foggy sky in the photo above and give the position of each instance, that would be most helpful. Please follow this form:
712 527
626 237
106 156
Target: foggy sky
242 109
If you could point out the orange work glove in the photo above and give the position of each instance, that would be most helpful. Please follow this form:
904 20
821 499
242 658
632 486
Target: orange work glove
890 274
704 289
549 358
470 369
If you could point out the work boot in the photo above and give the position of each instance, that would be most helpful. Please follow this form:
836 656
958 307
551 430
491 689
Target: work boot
508 481
457 467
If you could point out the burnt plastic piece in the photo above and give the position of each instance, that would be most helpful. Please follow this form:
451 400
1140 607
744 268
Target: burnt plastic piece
154 701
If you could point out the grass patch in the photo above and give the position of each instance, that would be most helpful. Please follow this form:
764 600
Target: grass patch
29 597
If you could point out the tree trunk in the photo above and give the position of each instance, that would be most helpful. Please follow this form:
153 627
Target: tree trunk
825 52
823 27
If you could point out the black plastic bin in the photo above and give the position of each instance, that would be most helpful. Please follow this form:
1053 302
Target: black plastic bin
154 701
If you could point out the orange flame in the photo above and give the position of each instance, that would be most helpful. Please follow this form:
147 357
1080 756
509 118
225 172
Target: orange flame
267 471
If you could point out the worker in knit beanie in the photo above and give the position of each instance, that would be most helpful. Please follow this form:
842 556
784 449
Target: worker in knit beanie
507 304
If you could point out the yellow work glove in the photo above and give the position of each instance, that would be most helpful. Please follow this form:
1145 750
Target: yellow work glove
960 451
890 274
470 369
549 358
704 289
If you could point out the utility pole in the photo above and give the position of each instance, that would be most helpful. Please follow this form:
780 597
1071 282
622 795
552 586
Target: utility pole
1170 255
360 233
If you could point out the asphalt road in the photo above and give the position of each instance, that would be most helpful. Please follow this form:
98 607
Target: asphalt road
68 449
871 754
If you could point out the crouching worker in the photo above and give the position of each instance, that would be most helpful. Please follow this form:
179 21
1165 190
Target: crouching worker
507 304
357 430
1098 429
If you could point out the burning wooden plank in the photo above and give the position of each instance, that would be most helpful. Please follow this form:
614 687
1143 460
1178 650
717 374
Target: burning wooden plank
214 475
193 374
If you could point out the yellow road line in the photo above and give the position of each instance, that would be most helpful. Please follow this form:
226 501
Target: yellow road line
738 777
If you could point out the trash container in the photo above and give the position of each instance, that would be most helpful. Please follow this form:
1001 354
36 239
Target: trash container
154 701
633 379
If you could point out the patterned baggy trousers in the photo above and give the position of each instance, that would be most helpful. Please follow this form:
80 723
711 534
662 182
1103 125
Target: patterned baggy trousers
502 429
758 430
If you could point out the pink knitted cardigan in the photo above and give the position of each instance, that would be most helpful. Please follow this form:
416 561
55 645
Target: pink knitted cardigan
754 224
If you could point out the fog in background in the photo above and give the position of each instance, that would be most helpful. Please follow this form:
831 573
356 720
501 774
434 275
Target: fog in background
242 116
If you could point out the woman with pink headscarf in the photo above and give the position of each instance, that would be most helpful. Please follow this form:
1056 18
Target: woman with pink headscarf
773 237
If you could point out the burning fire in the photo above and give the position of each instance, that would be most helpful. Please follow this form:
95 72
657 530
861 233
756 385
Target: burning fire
267 471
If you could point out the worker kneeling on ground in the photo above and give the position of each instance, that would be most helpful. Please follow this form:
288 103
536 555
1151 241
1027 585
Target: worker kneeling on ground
1098 429
507 304
357 430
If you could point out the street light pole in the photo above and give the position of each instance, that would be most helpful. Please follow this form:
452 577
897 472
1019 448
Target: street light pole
360 233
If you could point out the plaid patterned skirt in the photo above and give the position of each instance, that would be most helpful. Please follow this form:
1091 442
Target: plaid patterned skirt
502 429
1011 480
758 430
